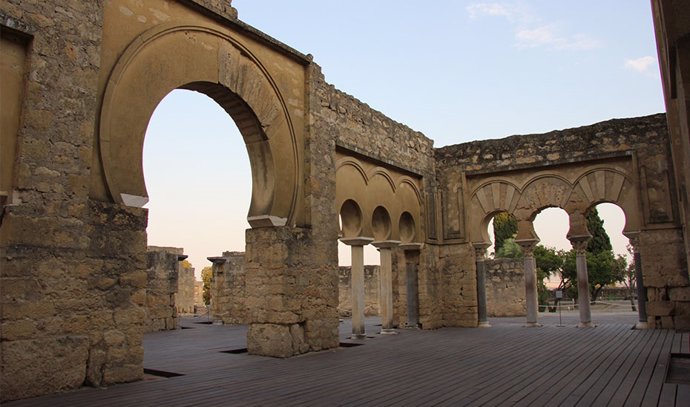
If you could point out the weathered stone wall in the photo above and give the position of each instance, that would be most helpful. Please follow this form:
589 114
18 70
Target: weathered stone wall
163 268
228 291
184 299
371 291
505 288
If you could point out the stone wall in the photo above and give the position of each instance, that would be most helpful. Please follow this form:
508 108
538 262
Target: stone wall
371 291
163 270
184 300
228 292
505 288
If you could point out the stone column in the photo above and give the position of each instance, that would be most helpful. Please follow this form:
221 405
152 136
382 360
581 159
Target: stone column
530 263
357 283
639 281
386 285
580 245
412 251
480 257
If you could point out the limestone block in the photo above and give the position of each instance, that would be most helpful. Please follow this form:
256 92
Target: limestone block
37 366
679 293
660 308
270 340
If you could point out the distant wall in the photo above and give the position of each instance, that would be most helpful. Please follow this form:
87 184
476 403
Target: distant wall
228 289
505 288
162 271
371 291
184 300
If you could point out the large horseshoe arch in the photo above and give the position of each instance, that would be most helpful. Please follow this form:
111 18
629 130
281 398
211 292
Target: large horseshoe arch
205 60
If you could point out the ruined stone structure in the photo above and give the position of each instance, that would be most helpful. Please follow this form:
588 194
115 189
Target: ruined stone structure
163 271
505 288
371 291
184 299
80 80
228 289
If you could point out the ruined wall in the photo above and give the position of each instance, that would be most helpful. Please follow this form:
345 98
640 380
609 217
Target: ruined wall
371 291
505 288
623 161
228 289
184 299
163 269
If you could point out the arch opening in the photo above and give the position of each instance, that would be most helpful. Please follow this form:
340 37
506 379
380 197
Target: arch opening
407 228
351 219
381 224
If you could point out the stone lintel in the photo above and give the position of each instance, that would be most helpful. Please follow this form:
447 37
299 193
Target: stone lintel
386 244
411 246
217 260
357 241
266 221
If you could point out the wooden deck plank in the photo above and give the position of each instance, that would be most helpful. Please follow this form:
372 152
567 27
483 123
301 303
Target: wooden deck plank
452 366
593 386
650 396
633 375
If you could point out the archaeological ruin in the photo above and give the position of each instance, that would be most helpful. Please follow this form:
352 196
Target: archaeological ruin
80 81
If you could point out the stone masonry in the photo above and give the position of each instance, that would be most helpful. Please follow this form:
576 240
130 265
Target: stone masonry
80 80
505 288
228 291
371 291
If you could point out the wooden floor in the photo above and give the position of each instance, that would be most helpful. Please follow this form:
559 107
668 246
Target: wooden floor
507 364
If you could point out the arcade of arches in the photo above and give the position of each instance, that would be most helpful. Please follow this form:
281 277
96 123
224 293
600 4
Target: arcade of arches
77 95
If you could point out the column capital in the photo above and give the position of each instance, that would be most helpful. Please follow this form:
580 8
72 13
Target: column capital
386 244
411 246
634 239
357 241
480 250
580 242
527 245
217 260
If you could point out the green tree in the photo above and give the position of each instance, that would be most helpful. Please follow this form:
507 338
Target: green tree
505 227
549 262
600 241
206 276
509 249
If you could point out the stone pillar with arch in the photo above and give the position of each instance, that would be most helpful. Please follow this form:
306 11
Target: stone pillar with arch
527 240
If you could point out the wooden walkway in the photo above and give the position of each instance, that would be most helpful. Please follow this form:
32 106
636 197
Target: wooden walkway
508 364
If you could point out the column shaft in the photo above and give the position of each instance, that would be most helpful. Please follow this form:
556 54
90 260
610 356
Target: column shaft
531 289
481 292
583 289
412 294
357 283
641 292
386 294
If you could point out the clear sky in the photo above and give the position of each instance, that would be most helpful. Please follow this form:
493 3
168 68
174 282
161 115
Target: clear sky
454 70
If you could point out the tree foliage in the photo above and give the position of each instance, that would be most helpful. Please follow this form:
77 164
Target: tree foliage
600 241
206 276
510 249
505 227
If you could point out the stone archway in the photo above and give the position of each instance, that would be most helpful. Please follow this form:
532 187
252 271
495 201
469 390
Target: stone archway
216 65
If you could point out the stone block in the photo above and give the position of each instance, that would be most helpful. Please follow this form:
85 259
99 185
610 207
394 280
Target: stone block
38 366
270 340
660 308
679 293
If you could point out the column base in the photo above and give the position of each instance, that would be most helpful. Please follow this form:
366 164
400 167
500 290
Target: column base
641 325
388 331
484 324
358 336
532 325
586 325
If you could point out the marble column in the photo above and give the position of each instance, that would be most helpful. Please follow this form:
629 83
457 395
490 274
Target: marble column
386 285
480 262
357 283
639 281
530 266
580 245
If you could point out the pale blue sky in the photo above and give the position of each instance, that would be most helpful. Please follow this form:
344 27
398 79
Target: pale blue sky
454 70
